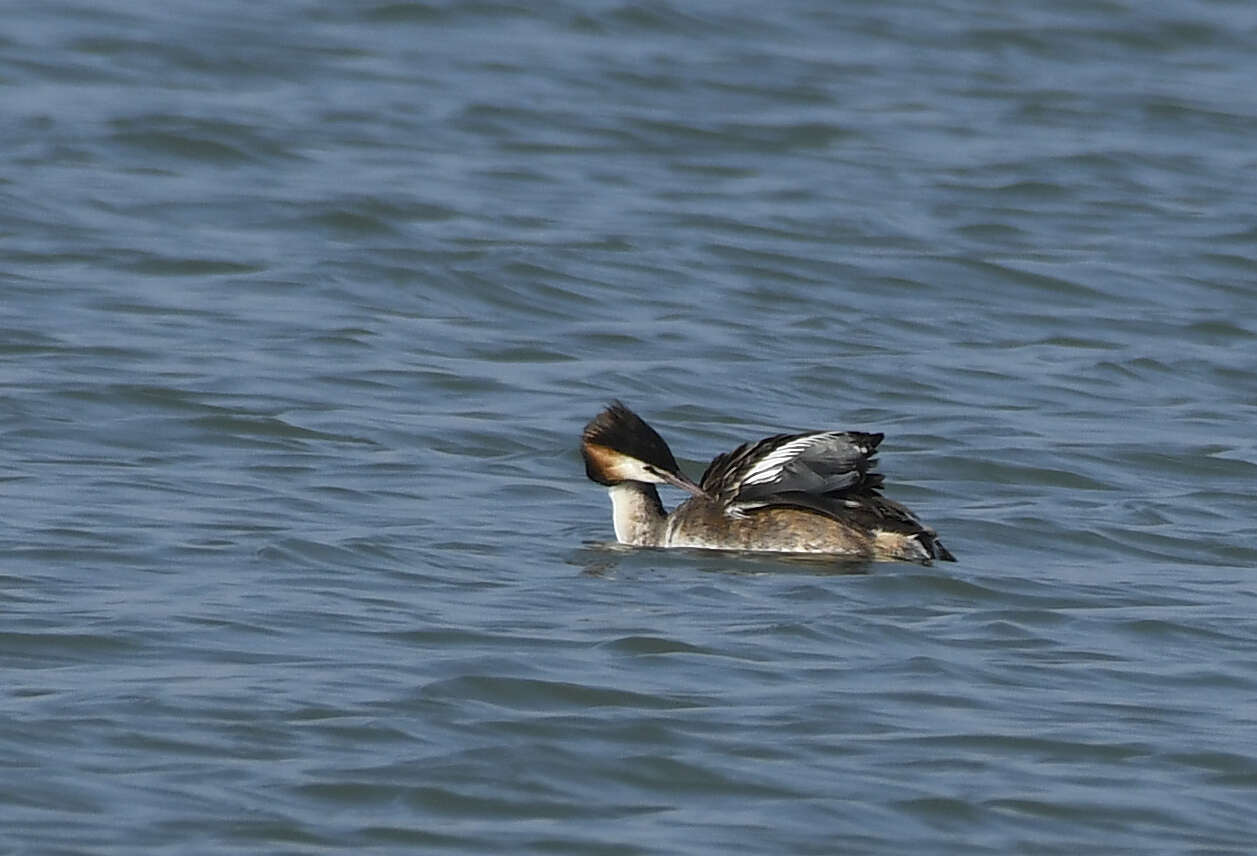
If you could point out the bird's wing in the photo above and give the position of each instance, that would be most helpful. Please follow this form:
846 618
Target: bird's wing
816 463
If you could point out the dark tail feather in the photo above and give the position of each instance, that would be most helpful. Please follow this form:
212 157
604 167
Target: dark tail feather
940 552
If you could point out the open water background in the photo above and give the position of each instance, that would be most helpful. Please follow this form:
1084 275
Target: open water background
303 306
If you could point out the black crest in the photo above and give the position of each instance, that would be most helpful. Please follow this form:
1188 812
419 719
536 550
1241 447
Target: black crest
621 430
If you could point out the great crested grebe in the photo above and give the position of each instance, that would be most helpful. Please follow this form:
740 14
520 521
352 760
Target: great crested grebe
797 493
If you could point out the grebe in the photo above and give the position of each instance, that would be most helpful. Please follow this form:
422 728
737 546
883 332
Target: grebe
799 493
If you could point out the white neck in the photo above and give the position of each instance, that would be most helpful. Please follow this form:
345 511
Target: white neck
637 513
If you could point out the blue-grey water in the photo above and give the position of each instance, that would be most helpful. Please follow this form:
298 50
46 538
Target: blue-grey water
303 306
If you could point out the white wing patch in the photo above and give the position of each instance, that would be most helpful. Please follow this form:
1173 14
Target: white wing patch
769 468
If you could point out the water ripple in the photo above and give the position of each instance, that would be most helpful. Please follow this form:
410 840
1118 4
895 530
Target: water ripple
305 308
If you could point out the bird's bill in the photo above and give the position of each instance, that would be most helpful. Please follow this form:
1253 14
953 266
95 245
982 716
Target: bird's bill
681 481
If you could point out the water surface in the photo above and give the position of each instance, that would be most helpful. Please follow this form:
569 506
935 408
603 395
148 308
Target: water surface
304 308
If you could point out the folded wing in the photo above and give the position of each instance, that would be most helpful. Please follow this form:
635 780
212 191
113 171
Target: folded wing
816 463
825 472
